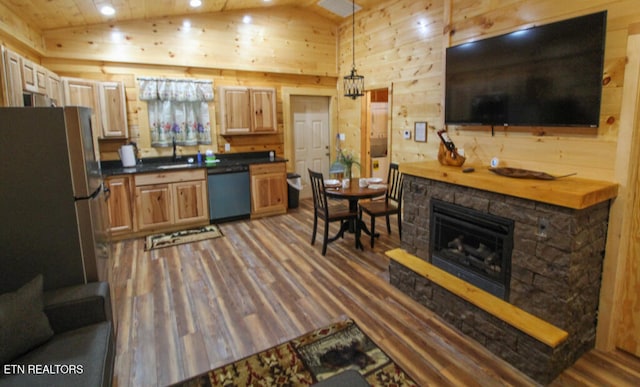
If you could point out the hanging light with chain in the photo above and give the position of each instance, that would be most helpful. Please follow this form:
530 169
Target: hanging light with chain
354 83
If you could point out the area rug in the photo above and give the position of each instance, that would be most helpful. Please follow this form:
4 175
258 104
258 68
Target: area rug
309 359
178 237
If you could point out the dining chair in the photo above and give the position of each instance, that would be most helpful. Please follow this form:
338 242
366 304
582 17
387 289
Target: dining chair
392 203
329 214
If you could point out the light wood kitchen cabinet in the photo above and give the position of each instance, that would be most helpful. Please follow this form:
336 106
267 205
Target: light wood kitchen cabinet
171 200
114 110
247 110
119 205
153 207
29 76
263 110
23 76
190 202
268 189
42 80
83 92
56 89
13 78
107 101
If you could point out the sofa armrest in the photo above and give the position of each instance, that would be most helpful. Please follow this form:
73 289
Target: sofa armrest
77 306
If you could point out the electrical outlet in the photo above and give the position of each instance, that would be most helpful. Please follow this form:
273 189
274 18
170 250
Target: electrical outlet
543 227
227 147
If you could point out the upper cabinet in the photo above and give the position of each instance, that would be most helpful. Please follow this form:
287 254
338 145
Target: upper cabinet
42 79
246 110
107 101
13 78
29 76
114 110
56 89
24 77
84 92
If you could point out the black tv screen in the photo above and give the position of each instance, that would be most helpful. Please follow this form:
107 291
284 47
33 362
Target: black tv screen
549 75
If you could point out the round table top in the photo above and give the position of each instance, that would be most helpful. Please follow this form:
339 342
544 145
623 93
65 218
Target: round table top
355 191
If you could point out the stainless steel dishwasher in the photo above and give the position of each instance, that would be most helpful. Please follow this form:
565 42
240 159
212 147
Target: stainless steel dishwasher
229 192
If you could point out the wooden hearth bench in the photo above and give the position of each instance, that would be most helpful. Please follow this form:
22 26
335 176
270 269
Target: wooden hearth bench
533 326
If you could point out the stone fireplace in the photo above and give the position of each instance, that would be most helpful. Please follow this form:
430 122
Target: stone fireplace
542 258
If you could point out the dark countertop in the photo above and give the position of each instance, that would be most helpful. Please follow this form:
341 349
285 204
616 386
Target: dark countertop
156 164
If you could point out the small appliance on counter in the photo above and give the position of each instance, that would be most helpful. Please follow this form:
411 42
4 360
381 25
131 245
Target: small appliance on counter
128 155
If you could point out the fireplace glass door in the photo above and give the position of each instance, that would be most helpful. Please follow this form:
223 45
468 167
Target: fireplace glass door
474 246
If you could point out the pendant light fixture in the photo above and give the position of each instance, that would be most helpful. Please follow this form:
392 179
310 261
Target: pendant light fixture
354 83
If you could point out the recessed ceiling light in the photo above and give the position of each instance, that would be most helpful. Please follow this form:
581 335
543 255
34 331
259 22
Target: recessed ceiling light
195 3
246 19
107 10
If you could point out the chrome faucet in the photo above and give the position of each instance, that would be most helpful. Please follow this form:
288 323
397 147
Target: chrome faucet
174 157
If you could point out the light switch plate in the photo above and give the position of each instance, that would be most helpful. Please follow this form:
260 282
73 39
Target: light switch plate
227 147
342 136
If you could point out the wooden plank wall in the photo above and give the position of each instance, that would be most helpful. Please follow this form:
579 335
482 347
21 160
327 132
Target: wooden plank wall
402 44
17 34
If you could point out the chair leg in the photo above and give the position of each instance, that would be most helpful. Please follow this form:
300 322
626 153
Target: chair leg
315 228
399 225
325 240
388 224
373 229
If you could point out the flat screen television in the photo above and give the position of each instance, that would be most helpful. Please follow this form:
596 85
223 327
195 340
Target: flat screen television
549 75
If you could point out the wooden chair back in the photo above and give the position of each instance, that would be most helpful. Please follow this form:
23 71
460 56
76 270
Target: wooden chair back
394 184
319 195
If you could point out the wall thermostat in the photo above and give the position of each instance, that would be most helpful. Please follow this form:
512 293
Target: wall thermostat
407 134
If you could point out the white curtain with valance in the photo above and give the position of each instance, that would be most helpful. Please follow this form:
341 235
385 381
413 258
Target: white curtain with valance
178 109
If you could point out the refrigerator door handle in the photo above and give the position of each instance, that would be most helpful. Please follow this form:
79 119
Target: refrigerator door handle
93 195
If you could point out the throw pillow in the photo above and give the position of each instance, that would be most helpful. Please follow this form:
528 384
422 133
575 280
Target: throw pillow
23 324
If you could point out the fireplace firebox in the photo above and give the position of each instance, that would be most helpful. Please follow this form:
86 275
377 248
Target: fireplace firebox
472 245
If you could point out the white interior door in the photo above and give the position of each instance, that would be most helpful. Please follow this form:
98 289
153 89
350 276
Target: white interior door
310 136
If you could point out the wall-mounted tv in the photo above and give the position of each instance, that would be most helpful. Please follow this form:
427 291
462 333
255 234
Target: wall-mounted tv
549 75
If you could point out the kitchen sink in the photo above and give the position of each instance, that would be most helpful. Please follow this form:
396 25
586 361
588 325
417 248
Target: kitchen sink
174 166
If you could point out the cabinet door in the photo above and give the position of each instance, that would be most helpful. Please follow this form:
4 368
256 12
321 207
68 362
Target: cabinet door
42 80
268 189
114 110
235 110
153 206
119 206
263 105
29 76
13 75
83 92
190 202
56 90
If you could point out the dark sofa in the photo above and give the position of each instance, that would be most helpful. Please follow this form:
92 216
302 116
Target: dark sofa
76 349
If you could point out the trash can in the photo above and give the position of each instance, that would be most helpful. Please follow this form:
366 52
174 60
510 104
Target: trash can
294 183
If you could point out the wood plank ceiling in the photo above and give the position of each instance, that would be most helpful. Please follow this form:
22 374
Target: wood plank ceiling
46 15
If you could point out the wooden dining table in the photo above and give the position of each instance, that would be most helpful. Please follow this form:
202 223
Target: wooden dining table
353 193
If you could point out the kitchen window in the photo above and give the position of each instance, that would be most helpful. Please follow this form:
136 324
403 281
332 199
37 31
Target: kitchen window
178 109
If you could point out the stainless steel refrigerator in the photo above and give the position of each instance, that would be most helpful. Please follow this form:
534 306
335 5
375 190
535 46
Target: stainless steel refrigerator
51 198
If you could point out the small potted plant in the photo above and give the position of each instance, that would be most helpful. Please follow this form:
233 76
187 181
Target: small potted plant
347 158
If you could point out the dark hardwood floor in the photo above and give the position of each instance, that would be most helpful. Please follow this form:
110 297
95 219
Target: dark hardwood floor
186 309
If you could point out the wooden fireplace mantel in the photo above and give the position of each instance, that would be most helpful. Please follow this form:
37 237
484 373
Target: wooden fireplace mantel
572 192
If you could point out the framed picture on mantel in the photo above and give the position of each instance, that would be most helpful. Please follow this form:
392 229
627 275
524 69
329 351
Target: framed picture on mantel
420 131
